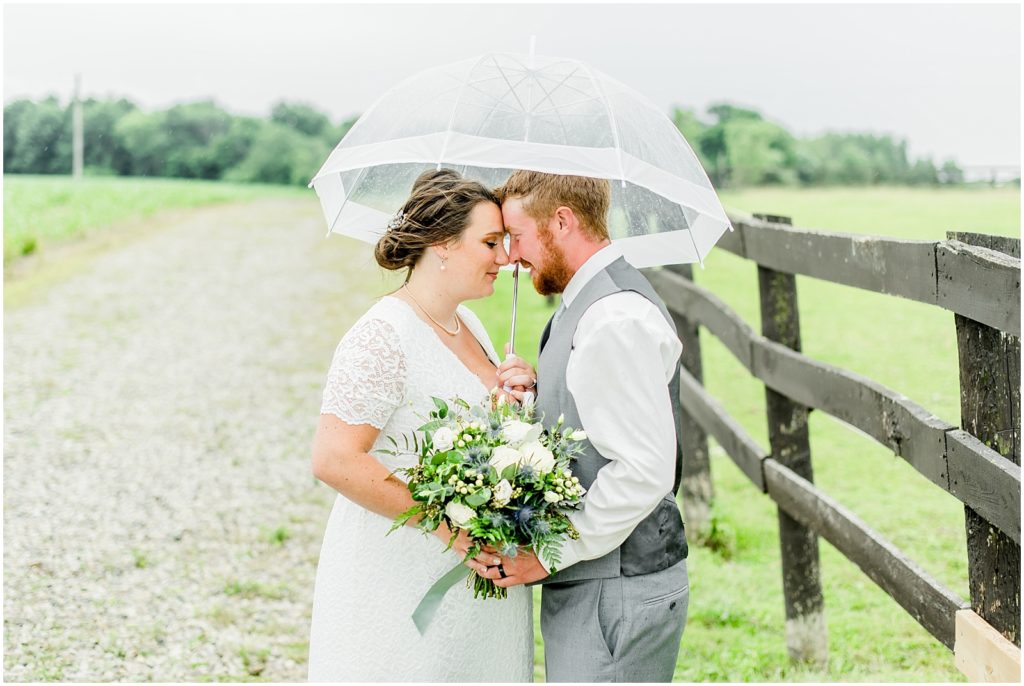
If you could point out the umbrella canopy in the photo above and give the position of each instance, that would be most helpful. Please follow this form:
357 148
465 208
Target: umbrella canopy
498 112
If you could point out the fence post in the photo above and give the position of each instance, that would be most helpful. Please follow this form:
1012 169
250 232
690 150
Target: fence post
806 632
990 410
696 488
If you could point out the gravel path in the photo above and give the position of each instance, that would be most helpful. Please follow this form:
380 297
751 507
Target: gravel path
161 522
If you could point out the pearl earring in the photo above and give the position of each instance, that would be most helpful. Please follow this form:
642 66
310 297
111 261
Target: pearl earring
443 260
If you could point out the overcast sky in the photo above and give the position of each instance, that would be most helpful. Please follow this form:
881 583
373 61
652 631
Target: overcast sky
945 77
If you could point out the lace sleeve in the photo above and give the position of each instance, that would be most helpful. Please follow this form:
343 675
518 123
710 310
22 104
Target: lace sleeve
366 381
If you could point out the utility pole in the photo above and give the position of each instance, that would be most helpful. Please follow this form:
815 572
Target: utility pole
77 143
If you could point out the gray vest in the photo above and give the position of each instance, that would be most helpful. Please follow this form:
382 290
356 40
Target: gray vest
658 541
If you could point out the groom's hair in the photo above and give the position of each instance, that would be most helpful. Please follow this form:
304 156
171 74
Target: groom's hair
542 194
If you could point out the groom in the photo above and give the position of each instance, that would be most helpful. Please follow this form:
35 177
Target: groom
616 607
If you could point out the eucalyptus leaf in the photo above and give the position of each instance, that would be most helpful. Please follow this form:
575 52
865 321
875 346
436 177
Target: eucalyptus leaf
478 498
442 407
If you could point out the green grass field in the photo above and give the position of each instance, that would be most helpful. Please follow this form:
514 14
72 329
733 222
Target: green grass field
736 623
41 212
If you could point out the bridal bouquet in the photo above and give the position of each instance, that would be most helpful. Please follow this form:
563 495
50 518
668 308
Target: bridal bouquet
495 473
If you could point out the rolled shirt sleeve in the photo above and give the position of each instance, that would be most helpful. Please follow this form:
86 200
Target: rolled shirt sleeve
624 355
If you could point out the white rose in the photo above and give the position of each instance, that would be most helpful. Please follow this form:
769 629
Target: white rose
538 457
578 435
444 439
502 493
518 433
503 456
459 514
551 496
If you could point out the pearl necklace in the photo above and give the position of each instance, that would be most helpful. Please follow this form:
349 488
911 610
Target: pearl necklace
458 322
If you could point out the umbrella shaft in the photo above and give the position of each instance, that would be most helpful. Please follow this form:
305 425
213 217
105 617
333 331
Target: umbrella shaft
515 298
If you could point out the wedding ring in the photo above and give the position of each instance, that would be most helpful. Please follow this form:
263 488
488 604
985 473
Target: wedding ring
501 571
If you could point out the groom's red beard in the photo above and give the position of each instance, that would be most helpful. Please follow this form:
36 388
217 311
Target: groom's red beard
555 275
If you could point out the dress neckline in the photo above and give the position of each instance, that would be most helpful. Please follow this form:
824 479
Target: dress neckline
451 352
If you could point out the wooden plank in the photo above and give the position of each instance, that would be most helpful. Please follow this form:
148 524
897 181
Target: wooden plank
990 411
989 482
890 418
924 598
742 449
981 653
915 434
806 631
732 241
884 265
696 487
699 305
1003 244
979 283
909 430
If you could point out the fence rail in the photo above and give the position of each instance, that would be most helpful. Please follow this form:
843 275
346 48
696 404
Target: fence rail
976 277
973 281
985 481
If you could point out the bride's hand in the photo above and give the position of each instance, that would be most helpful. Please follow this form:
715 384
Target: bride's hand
462 545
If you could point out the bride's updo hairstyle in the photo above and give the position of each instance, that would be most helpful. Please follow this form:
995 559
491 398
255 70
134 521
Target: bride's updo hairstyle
437 211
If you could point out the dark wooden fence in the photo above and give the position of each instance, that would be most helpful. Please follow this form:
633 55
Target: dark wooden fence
976 277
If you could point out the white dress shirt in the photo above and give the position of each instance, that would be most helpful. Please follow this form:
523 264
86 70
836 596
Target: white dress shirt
624 355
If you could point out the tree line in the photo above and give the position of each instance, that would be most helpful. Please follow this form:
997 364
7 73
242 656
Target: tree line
737 146
196 140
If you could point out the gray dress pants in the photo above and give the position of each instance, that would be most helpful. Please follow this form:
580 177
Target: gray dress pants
623 629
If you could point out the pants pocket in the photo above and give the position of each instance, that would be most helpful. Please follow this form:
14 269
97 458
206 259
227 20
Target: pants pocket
610 616
666 597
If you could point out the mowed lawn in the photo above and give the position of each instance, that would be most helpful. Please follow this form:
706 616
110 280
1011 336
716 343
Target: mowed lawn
736 627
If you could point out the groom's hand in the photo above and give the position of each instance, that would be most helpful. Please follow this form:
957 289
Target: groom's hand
524 568
516 373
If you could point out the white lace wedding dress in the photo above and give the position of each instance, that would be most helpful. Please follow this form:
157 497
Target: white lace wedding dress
384 372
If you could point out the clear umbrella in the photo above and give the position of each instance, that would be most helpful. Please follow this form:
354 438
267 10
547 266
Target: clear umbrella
498 112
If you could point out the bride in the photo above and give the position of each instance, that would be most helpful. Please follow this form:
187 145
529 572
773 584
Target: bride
415 343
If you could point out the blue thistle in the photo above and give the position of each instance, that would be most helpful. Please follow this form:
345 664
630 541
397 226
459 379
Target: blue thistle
496 520
540 526
476 458
527 472
523 516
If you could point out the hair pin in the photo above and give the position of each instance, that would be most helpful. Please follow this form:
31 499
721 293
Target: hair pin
396 221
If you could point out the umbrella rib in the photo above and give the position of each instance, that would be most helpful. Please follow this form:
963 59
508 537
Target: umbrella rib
511 88
611 121
568 104
547 93
500 101
359 177
541 75
455 107
693 241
